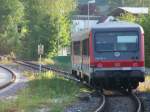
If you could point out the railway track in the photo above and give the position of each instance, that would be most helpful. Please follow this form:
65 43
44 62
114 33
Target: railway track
101 105
138 103
64 74
123 102
8 81
136 106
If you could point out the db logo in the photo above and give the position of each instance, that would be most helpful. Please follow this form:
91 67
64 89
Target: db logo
117 54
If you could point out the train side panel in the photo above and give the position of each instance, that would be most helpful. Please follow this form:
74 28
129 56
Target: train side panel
80 56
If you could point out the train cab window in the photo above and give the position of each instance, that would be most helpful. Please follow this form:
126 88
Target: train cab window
76 48
104 42
85 47
127 42
116 41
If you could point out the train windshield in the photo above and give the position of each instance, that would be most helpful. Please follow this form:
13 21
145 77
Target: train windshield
116 41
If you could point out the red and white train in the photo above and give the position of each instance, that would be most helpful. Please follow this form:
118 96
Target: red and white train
110 55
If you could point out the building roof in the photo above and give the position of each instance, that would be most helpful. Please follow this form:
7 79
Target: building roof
135 10
132 10
116 24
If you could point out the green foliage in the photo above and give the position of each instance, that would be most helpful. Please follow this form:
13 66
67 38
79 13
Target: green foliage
130 3
11 14
144 22
48 24
38 27
27 23
128 17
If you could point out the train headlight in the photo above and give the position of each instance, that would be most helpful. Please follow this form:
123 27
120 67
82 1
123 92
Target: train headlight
135 64
99 65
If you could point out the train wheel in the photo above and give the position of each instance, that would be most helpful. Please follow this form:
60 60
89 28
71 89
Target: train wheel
73 72
93 84
101 90
81 76
135 85
129 90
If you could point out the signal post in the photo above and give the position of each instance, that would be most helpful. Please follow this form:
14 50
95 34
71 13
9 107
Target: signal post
40 53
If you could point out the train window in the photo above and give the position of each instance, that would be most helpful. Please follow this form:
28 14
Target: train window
127 39
76 48
116 41
104 42
85 47
127 42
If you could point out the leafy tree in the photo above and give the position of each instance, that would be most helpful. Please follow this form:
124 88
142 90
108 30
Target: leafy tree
128 3
38 29
48 23
11 15
128 17
146 25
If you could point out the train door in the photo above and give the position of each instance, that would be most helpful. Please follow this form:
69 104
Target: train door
85 56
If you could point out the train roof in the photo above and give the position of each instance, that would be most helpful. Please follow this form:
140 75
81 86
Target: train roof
113 24
116 24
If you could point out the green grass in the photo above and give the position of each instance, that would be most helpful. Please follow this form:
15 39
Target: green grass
45 90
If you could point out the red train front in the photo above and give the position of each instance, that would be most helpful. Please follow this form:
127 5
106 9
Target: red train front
110 55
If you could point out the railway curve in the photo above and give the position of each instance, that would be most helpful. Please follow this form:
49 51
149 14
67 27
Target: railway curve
7 77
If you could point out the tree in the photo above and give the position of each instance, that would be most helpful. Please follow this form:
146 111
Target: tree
146 25
47 22
128 3
11 14
128 17
62 11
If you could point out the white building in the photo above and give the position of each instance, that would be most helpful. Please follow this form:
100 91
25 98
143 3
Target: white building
132 10
81 22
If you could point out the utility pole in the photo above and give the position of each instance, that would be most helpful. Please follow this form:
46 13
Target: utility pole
123 3
89 2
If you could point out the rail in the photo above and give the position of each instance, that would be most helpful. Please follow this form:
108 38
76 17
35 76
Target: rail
12 79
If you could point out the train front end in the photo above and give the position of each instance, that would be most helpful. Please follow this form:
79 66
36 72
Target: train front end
117 55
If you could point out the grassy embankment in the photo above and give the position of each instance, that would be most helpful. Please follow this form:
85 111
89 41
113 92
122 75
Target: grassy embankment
44 91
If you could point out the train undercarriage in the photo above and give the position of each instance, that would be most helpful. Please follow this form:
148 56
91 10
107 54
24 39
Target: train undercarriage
119 80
